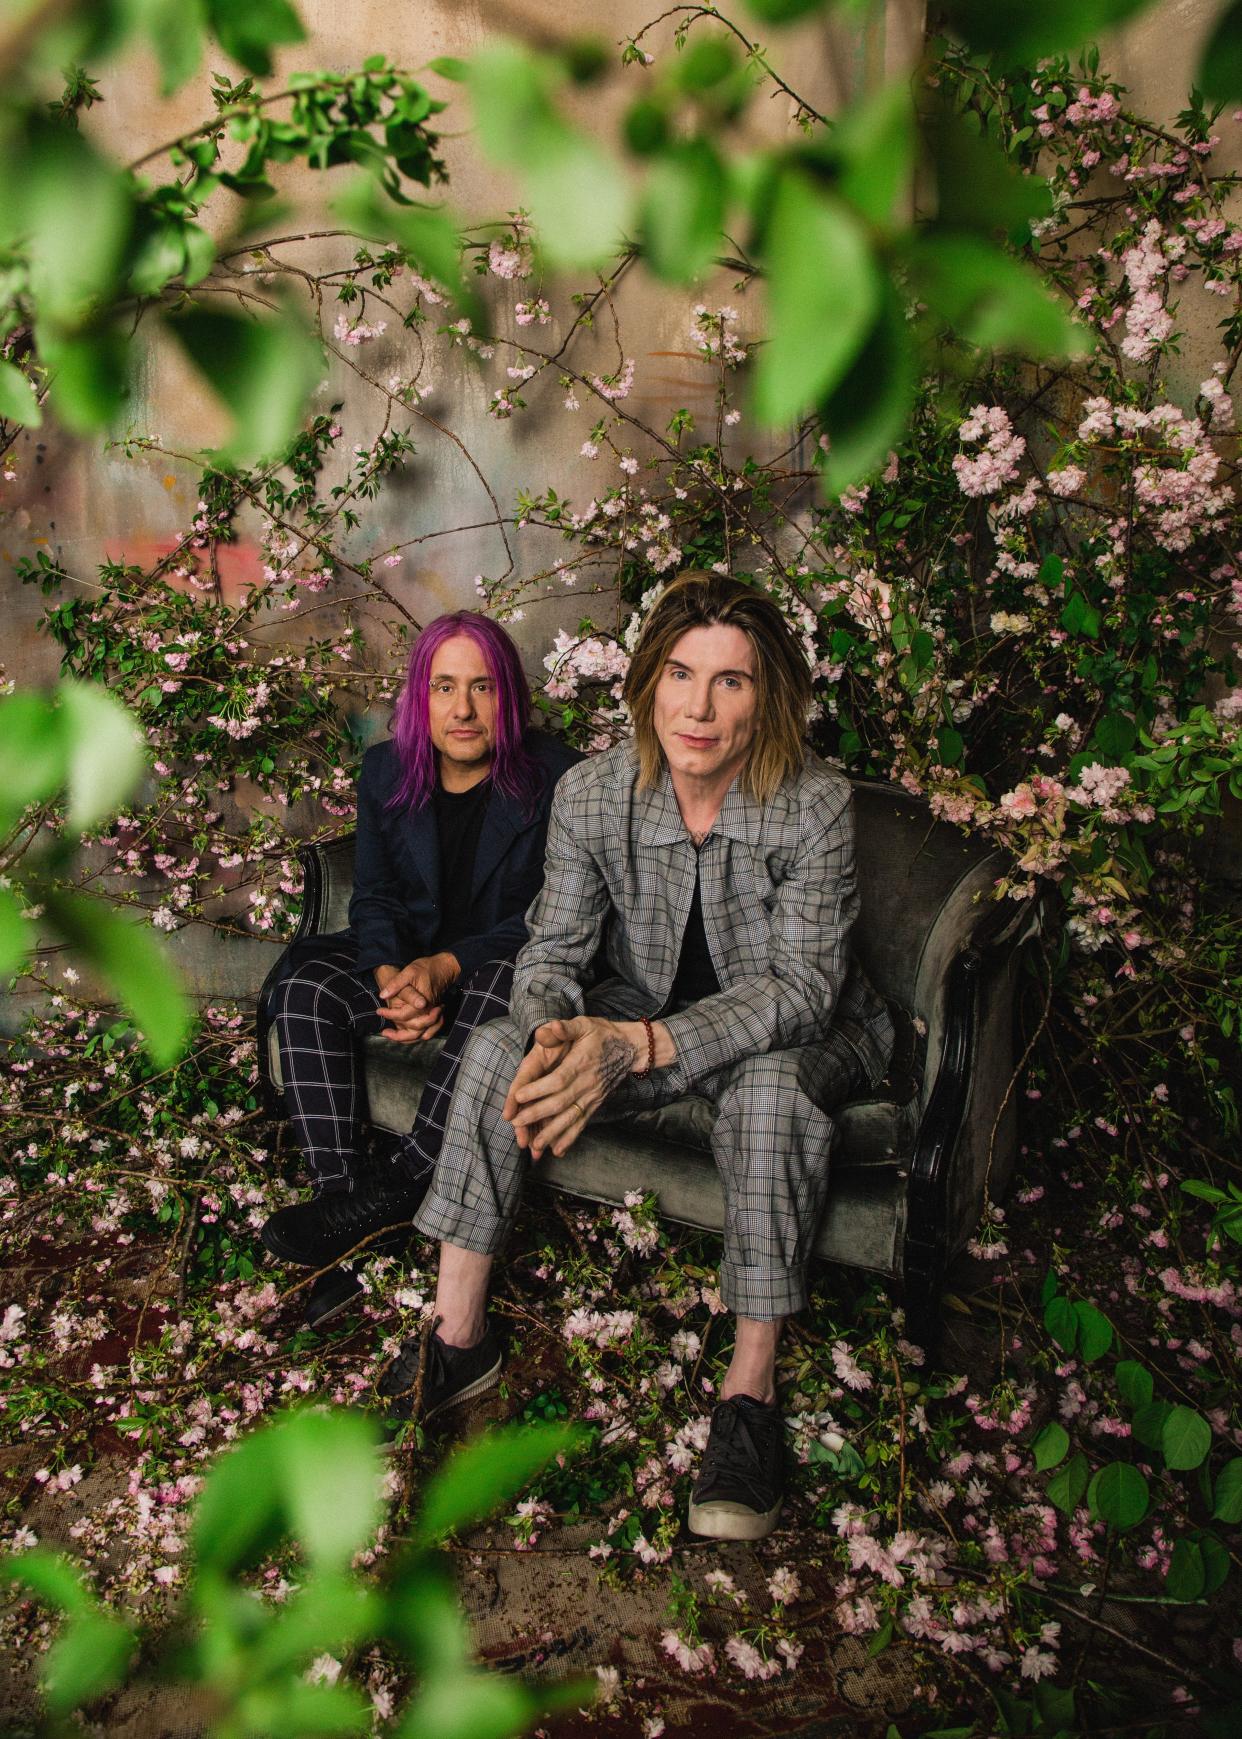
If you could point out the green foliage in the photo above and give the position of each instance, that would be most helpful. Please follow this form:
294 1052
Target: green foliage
263 370
312 1476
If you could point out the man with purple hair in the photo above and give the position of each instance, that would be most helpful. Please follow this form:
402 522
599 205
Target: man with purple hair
452 822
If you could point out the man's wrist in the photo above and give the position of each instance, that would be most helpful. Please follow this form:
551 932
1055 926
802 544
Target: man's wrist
635 1035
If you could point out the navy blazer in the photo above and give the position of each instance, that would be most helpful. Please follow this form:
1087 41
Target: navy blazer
395 913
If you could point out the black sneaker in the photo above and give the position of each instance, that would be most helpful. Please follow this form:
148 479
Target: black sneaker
330 1294
737 1495
319 1232
451 1375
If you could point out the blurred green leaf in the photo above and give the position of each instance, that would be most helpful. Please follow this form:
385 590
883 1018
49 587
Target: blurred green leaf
704 62
105 749
1021 31
264 370
867 413
239 1510
1051 1446
683 211
329 1614
159 257
1186 1575
33 757
991 299
1186 1438
89 1657
128 956
476 1705
51 1578
1227 1506
18 403
575 192
73 210
977 188
1219 76
329 1473
175 29
430 236
88 375
292 1709
479 1477
875 142
785 11
250 29
823 296
16 935
1118 1495
450 67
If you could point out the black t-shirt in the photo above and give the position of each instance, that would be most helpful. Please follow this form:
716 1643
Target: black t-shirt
696 976
459 818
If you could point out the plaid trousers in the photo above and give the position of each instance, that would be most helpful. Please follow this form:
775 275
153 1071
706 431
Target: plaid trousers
320 1012
771 1142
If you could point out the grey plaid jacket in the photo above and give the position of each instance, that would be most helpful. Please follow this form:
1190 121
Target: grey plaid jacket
779 900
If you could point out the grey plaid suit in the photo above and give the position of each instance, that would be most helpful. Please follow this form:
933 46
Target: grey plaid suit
792 1031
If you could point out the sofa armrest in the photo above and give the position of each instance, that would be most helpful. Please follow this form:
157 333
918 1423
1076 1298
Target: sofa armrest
328 879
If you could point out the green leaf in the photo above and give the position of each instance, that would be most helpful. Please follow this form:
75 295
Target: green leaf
1051 1446
1219 75
1186 1576
866 415
1023 32
1148 1423
475 1705
176 29
17 937
823 297
1228 1493
1185 1438
880 1641
250 29
1204 1192
106 752
875 142
487 1472
1118 1495
51 1578
576 194
330 1614
329 1475
160 257
450 67
200 254
1095 1332
89 1657
784 11
73 209
1061 1321
130 959
683 211
1079 617
428 235
1134 1384
292 1709
18 403
1066 1487
977 188
1216 1561
88 376
991 299
33 757
264 371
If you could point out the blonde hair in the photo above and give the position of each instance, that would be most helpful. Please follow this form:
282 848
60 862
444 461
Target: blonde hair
782 677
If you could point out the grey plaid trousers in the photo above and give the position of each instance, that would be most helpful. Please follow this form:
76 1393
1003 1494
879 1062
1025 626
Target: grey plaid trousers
771 1141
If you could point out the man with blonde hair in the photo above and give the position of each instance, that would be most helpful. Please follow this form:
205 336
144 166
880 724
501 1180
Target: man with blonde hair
712 858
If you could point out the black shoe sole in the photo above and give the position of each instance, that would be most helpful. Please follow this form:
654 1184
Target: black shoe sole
317 1319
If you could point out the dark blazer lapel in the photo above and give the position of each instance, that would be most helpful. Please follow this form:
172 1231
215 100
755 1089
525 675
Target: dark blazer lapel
421 838
502 821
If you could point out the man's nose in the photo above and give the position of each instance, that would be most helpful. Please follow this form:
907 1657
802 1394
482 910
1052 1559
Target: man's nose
699 700
463 704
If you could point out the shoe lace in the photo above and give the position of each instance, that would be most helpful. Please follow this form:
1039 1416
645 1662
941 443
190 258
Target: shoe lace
402 1373
737 1447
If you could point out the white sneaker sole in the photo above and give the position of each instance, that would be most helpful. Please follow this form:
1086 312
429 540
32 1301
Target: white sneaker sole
732 1521
480 1386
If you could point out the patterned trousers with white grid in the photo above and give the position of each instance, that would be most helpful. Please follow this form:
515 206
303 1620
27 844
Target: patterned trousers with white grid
321 1012
771 1141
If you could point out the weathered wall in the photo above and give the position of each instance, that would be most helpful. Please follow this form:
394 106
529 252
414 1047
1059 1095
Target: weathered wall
86 503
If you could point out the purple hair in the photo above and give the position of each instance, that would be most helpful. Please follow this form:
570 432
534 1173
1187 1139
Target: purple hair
514 772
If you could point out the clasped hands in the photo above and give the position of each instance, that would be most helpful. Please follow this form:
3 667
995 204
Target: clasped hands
566 1075
411 997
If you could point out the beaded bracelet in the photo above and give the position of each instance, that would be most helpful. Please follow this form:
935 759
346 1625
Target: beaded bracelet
641 1074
